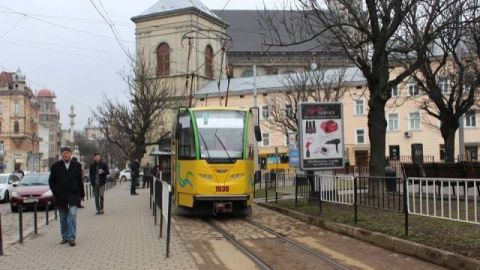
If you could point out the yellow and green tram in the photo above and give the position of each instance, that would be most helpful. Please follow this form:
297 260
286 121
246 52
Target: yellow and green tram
213 159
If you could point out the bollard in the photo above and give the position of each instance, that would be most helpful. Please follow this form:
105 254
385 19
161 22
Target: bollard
1 239
86 189
55 212
20 223
46 212
35 208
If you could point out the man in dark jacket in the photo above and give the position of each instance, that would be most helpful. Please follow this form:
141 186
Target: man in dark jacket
67 187
98 178
135 173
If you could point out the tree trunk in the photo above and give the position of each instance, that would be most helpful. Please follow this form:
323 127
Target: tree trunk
448 130
377 132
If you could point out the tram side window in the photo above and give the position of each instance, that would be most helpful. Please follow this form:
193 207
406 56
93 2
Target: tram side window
186 141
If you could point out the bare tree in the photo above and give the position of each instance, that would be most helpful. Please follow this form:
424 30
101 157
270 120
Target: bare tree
450 74
143 120
321 84
364 31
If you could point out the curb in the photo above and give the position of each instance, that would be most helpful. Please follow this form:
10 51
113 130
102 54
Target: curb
434 255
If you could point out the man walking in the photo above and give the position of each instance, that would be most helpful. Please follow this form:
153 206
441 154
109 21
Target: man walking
147 175
66 184
98 178
135 172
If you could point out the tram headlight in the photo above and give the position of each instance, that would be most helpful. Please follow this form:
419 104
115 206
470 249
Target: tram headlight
206 176
236 176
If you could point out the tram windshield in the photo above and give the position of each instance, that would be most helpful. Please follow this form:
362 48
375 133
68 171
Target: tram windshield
220 134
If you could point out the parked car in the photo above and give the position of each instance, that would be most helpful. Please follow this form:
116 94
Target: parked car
126 175
6 185
32 188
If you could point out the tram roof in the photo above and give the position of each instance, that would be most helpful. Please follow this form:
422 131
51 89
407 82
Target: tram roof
218 108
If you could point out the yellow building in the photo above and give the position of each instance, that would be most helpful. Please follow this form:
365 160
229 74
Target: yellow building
19 124
407 124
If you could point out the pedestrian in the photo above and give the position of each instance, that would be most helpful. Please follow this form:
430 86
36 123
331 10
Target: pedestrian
66 184
135 173
147 175
98 178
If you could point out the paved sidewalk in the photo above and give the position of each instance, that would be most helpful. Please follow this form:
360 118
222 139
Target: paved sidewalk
123 238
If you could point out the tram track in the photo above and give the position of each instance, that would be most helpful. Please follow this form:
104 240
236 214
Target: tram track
263 263
230 238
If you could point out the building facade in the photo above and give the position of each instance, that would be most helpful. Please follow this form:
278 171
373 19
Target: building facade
407 125
166 23
49 127
19 124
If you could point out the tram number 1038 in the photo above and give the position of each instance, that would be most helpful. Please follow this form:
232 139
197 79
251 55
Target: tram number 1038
222 188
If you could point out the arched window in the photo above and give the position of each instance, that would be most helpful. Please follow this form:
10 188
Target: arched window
163 60
209 62
16 127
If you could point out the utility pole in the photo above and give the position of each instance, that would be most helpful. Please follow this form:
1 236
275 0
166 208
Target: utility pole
255 148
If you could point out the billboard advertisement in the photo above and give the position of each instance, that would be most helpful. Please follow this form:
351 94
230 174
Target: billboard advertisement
321 135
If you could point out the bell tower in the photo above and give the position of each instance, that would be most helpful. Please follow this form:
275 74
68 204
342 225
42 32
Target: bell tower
179 40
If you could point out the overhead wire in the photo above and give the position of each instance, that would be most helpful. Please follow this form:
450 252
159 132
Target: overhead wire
62 46
112 27
60 51
74 19
13 27
59 25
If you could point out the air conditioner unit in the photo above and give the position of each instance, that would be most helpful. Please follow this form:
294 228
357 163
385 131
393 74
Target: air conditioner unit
408 134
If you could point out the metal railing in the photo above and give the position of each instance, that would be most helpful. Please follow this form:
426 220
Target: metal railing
161 199
383 193
442 198
336 189
48 207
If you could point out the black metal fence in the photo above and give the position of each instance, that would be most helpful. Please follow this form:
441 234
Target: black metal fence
161 200
49 205
382 193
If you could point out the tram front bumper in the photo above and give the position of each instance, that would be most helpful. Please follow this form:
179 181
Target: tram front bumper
221 197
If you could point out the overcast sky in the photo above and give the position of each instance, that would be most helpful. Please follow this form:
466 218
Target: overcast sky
65 46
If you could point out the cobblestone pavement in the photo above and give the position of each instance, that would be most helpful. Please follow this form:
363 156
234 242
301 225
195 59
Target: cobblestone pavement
200 239
123 238
343 249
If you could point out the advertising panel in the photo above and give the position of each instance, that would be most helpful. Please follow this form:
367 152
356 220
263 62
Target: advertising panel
293 151
321 135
